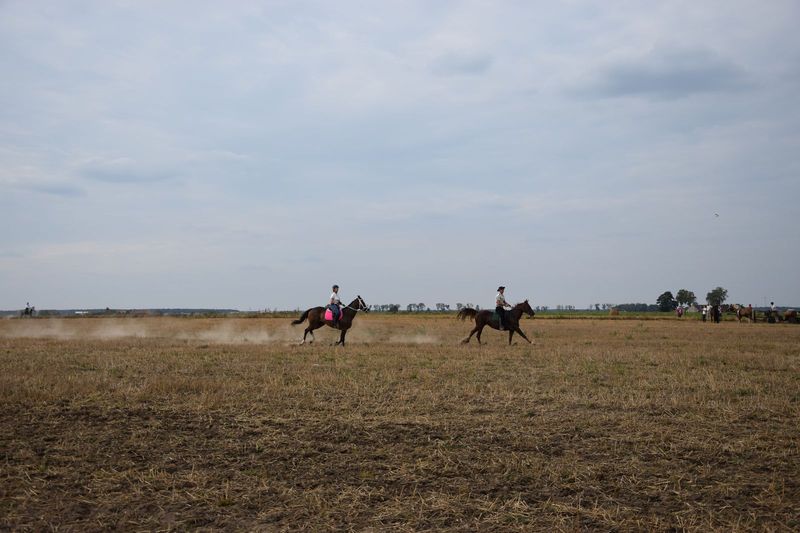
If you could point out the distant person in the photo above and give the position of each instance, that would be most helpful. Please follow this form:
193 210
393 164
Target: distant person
335 305
705 312
717 313
500 306
773 313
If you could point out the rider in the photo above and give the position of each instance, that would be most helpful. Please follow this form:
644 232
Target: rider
500 306
335 306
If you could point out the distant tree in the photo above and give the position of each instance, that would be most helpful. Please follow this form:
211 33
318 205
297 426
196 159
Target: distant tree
596 307
717 296
459 306
421 306
666 302
684 297
411 307
393 308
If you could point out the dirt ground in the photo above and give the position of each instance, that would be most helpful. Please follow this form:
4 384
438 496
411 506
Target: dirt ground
169 423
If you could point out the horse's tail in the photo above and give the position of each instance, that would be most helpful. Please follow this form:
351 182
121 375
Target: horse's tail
467 312
302 318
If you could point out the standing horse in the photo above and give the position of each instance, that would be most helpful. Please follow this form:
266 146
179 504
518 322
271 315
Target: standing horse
28 311
316 319
489 318
742 312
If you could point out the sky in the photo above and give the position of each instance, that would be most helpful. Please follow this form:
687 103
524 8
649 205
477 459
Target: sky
248 155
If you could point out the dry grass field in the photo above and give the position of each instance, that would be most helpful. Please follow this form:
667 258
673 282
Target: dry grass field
168 423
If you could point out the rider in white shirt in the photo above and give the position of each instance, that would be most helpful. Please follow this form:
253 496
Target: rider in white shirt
335 305
500 306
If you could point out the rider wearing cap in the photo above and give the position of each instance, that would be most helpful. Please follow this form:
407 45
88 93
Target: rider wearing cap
500 306
335 306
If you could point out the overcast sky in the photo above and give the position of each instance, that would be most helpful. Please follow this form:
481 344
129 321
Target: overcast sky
251 154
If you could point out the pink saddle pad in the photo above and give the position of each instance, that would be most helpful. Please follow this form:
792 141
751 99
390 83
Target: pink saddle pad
329 315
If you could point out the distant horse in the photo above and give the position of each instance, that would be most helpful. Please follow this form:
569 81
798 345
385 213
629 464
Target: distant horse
742 312
316 319
489 318
27 312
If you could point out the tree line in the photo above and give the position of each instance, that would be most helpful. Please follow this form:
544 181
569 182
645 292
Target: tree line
685 298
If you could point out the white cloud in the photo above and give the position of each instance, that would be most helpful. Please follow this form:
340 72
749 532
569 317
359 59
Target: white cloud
257 138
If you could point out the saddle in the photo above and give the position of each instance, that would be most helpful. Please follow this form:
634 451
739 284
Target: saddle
329 314
496 318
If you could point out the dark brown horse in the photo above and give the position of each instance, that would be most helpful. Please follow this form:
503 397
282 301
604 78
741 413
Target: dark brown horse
316 319
489 318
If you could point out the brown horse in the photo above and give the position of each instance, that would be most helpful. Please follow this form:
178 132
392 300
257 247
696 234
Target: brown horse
488 318
742 312
316 319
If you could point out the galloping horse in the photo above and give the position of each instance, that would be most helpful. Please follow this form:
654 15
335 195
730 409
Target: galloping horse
489 318
316 319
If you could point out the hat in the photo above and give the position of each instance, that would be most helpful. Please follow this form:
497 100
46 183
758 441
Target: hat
335 286
501 288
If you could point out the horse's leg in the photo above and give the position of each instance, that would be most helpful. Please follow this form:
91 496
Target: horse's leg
310 329
510 334
340 342
480 330
523 335
471 333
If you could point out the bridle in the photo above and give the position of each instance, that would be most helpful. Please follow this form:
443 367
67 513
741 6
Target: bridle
362 303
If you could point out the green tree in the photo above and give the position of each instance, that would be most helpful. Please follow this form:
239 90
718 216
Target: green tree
717 296
666 302
684 297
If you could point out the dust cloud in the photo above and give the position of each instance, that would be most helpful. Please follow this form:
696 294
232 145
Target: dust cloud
213 331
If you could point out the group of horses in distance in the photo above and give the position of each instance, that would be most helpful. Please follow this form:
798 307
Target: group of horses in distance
316 319
741 312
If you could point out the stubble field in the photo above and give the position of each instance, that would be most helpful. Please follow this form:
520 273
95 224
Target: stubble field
168 423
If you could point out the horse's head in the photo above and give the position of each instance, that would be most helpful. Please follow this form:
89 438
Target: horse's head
526 308
361 305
